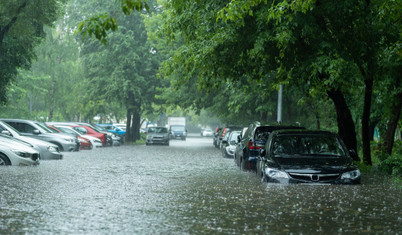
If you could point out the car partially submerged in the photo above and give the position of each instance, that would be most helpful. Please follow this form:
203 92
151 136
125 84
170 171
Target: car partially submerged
299 156
157 135
47 150
14 152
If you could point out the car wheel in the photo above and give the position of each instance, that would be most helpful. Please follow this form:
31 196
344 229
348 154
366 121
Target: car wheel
59 146
4 161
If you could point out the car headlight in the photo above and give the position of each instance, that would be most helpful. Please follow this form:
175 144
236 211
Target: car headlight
21 153
275 174
52 149
351 175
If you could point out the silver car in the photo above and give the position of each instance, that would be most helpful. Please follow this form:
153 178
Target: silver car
157 135
40 131
17 153
47 150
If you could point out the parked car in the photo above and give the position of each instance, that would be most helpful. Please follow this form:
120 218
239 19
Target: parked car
223 132
86 130
47 150
300 156
40 131
113 129
229 144
96 142
247 151
216 136
85 143
113 138
157 135
207 132
14 152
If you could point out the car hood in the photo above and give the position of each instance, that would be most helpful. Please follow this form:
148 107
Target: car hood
314 164
17 144
36 141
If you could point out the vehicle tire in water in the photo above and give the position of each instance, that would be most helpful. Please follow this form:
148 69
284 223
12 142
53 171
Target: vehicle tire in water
4 161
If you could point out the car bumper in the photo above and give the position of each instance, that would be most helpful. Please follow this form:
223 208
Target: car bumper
21 161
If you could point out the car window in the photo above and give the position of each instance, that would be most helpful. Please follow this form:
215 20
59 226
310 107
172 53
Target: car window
261 134
23 127
319 145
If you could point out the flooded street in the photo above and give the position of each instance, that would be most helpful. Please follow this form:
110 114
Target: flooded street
186 188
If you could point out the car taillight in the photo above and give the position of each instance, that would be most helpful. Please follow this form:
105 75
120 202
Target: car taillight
252 146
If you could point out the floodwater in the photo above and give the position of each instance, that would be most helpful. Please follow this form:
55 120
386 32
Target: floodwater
186 188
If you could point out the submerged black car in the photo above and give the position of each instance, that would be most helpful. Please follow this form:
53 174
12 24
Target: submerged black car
298 156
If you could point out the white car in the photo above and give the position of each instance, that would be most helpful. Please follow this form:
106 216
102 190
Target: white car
17 153
96 142
47 150
207 132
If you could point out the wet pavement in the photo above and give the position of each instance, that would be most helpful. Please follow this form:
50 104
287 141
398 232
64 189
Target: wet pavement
186 188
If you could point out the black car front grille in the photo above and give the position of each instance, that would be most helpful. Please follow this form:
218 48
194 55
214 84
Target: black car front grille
314 177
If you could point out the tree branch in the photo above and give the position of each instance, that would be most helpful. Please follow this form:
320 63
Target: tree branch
6 28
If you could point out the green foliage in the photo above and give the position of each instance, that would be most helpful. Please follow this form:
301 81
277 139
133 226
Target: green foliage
21 30
391 164
101 24
97 26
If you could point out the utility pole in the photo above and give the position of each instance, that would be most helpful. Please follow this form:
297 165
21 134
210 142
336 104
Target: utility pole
279 116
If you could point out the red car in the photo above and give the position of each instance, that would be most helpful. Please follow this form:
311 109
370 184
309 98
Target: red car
84 142
86 130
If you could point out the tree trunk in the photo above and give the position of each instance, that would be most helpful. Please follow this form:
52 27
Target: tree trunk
366 121
136 125
392 125
128 129
346 126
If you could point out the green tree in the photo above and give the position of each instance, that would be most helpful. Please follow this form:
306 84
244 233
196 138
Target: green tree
21 29
124 70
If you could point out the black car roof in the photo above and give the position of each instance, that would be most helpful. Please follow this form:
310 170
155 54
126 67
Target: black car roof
302 132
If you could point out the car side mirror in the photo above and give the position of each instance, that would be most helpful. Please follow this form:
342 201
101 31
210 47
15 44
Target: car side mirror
36 132
5 132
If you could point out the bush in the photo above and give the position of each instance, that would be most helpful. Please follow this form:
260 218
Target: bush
392 164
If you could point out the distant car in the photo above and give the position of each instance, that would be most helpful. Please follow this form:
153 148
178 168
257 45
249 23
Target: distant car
47 150
207 132
247 151
39 130
230 143
157 135
178 131
14 152
300 156
85 143
113 129
96 142
86 130
216 136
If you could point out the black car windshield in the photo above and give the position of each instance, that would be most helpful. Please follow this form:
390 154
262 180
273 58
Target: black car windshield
161 130
302 145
